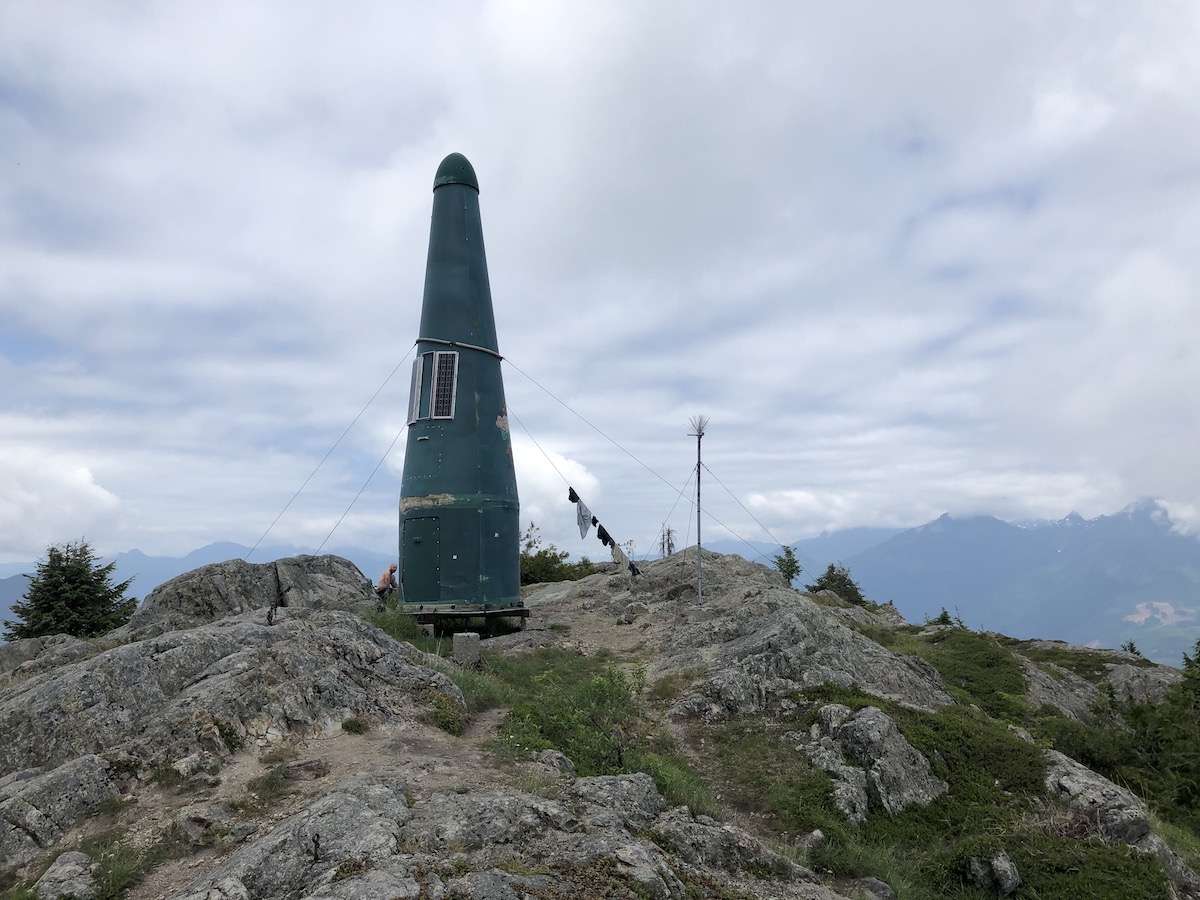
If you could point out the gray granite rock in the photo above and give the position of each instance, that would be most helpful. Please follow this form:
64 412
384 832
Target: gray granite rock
1058 688
1142 684
898 776
995 875
363 840
1114 814
184 692
231 588
37 808
20 659
1118 814
869 760
802 646
361 819
701 841
69 876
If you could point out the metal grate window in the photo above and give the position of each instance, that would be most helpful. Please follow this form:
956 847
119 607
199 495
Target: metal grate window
445 376
414 395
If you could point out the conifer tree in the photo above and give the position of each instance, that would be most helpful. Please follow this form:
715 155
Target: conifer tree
837 579
71 593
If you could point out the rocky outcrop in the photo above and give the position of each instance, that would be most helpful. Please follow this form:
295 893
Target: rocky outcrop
364 839
1113 813
20 659
211 687
226 589
798 646
870 762
400 809
885 616
1142 684
1055 687
756 643
37 808
1132 678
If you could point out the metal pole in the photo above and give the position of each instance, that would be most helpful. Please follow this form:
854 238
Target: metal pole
698 423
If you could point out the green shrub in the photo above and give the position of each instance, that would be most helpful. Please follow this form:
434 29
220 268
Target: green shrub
403 626
762 775
229 735
850 856
591 720
355 726
264 791
481 690
441 711
976 669
1053 866
121 865
943 619
837 578
981 759
675 780
543 564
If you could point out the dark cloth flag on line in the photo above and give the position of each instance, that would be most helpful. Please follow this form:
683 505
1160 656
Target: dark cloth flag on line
586 520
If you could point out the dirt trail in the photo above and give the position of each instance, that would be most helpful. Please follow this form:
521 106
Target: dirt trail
424 759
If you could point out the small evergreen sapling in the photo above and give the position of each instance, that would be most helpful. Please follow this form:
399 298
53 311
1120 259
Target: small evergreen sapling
787 564
71 593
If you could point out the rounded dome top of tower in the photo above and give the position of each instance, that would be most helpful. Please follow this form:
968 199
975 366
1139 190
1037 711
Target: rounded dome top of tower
455 169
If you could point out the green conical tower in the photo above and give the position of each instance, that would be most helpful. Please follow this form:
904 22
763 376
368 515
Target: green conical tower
459 514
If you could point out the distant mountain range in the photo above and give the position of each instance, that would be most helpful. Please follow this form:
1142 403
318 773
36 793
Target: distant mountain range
1101 581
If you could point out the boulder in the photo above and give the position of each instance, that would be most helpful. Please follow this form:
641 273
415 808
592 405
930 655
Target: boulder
995 875
231 588
869 760
898 776
701 841
1142 684
1118 814
361 819
1114 814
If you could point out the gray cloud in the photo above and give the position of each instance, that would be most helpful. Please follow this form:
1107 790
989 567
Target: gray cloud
910 259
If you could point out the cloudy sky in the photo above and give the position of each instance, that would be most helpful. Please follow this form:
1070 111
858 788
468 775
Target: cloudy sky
910 258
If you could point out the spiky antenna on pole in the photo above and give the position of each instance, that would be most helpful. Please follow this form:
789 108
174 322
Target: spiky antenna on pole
698 425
